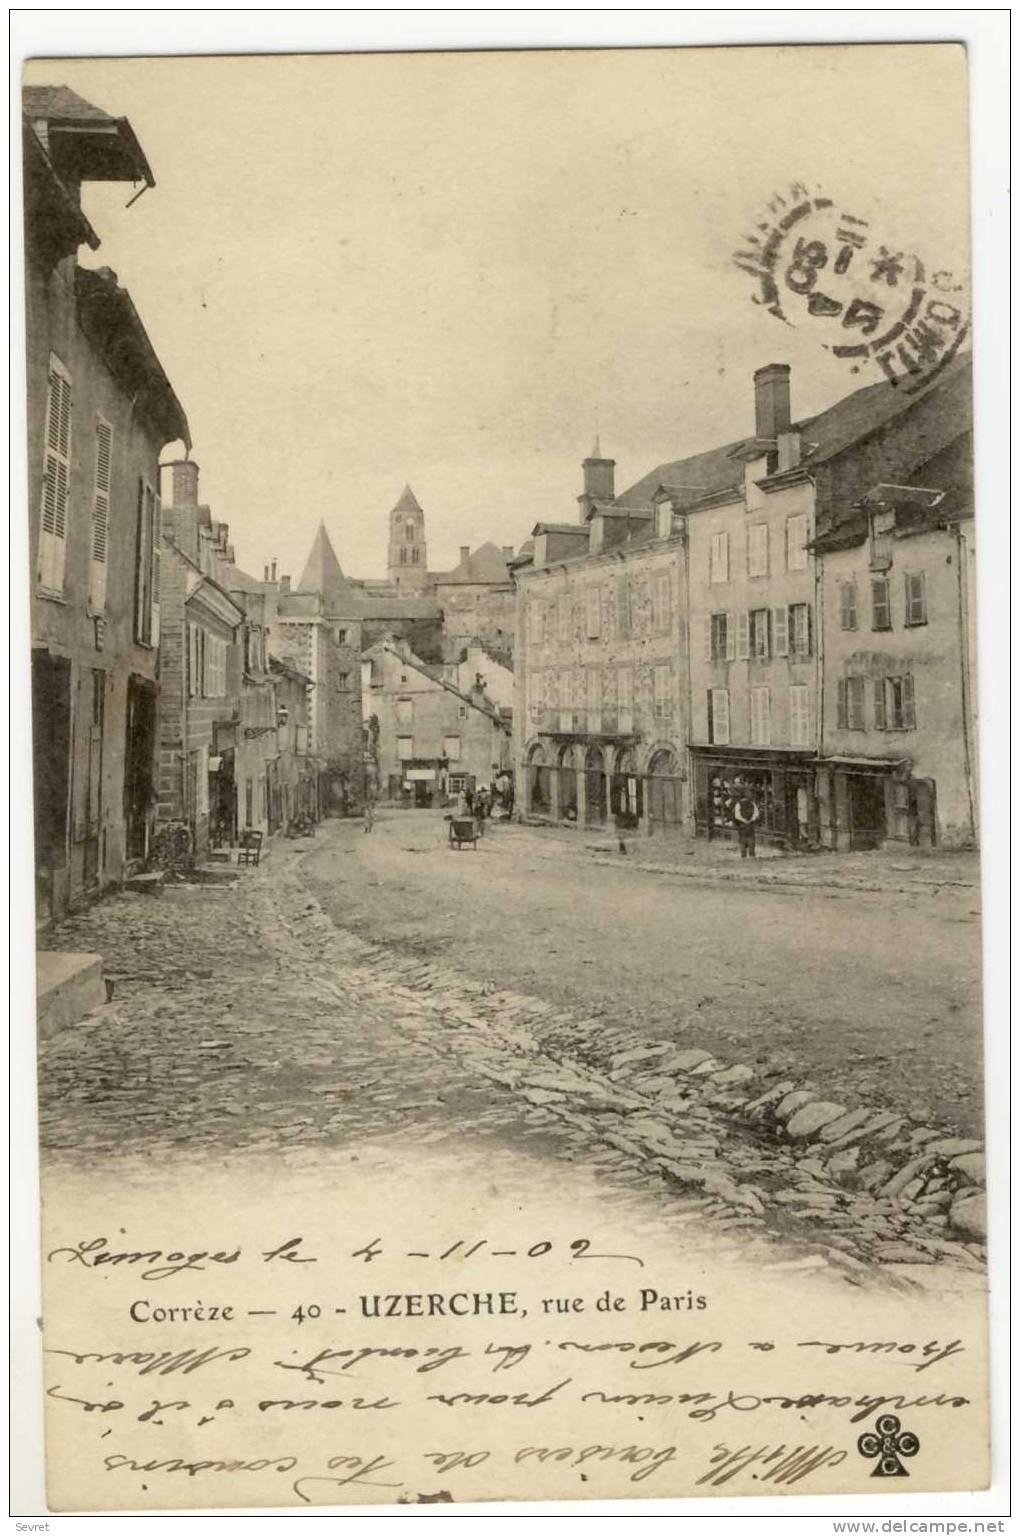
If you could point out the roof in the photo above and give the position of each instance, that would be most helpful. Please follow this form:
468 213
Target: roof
486 566
286 667
235 580
938 489
407 656
52 211
407 501
100 147
824 436
322 571
105 308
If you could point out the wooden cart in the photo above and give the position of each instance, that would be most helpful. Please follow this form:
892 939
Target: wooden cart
463 830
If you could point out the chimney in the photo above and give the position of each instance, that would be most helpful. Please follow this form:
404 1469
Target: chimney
599 476
273 571
185 483
465 550
284 584
772 400
265 573
508 551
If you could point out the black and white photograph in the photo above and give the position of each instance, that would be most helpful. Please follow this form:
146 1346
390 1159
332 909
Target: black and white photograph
506 768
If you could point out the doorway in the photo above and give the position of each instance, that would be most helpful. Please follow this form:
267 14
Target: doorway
866 794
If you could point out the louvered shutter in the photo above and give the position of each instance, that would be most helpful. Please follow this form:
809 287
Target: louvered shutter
780 632
731 638
157 545
880 704
841 704
56 479
907 696
708 638
100 516
743 635
721 716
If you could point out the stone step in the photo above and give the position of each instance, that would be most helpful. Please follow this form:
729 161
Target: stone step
216 874
149 883
67 987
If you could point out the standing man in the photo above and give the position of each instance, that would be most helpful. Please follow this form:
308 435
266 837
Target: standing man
746 814
369 813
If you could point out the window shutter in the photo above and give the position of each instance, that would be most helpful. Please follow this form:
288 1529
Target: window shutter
841 704
909 716
743 635
721 716
731 638
765 716
56 479
711 716
880 704
100 516
708 638
808 628
157 565
780 632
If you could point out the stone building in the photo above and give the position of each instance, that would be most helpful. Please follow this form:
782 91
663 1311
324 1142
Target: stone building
293 793
100 411
899 732
425 737
477 600
668 645
600 720
407 553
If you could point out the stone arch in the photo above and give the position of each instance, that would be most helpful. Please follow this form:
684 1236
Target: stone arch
627 788
538 778
595 799
664 788
567 766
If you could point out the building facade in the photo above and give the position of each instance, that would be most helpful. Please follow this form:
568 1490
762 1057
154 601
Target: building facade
899 738
671 647
425 737
100 411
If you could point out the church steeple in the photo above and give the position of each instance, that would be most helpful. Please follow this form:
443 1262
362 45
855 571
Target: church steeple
406 560
322 571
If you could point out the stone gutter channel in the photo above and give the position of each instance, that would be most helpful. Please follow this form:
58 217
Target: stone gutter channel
862 1190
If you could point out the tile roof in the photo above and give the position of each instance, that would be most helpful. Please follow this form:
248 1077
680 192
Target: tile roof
59 101
824 436
484 566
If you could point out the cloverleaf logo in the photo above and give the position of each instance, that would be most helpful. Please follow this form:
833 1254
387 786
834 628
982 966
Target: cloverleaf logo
887 1443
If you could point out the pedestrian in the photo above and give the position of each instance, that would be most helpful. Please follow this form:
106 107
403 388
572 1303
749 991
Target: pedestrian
481 806
369 813
468 797
746 814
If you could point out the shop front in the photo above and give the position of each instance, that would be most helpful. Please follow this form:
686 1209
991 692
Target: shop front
868 802
782 784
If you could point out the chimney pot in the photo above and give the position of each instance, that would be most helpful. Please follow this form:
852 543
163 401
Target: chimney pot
273 568
772 400
184 483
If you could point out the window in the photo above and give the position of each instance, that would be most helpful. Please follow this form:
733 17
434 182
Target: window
563 617
761 717
916 607
660 603
800 629
894 704
343 682
214 678
759 636
881 608
451 748
595 699
796 542
799 719
100 516
850 703
661 691
719 716
758 549
405 748
593 613
409 532
883 523
416 556
147 566
664 519
341 637
720 638
580 696
56 479
625 700
405 712
622 608
719 558
848 605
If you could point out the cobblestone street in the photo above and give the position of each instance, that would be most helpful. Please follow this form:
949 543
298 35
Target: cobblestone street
248 1023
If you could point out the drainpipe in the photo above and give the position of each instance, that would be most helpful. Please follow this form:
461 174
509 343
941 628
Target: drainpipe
965 681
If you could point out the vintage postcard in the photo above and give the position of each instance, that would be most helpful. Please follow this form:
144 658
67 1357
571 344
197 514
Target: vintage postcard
506 776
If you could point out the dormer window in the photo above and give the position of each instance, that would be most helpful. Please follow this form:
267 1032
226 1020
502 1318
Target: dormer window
663 519
882 524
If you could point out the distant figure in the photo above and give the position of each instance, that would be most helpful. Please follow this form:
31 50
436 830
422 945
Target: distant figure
622 820
746 814
369 814
468 797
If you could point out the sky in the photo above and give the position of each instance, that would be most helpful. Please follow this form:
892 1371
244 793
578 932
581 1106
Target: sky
453 270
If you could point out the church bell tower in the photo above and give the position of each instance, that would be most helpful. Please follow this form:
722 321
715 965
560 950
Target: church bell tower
406 561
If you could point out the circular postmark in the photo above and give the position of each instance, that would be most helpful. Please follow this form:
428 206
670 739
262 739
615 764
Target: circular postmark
867 301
